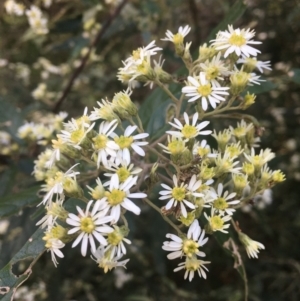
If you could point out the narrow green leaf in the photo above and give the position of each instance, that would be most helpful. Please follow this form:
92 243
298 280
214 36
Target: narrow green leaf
10 282
262 88
234 13
12 204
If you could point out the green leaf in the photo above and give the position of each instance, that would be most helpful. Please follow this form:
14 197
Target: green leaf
31 250
12 204
153 111
235 12
262 88
10 116
228 244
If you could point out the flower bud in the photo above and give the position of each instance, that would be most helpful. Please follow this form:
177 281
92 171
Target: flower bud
249 99
239 81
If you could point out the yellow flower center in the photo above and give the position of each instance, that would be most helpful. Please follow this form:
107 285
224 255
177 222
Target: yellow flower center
192 264
212 73
176 147
178 193
115 197
83 119
136 54
257 161
237 40
220 204
178 38
202 151
124 142
87 225
204 90
100 142
77 136
216 223
233 150
123 174
240 132
189 131
114 238
190 247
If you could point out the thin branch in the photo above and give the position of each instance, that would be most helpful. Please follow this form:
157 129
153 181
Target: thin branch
86 57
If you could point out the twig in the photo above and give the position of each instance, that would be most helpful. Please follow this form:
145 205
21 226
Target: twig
86 57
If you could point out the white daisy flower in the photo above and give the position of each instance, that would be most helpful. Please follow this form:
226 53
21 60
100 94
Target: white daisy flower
218 222
54 245
103 146
221 201
251 63
75 134
141 54
225 163
90 225
126 141
176 146
252 246
13 8
188 131
261 159
55 185
203 150
187 246
178 37
236 41
123 171
116 241
105 111
191 265
201 88
118 196
215 70
178 195
106 261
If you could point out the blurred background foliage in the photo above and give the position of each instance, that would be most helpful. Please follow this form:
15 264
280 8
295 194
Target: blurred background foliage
276 275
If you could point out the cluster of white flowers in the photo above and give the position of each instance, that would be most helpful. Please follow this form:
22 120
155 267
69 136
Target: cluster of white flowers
94 225
198 182
36 19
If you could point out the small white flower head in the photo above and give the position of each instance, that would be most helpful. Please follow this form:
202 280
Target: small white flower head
36 20
13 8
105 111
252 246
106 261
221 201
215 70
104 146
201 88
55 185
176 146
55 211
179 194
250 63
178 37
90 225
141 54
187 246
123 171
225 163
98 191
75 133
54 245
236 41
217 222
191 265
203 150
116 241
261 159
127 141
189 131
118 196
